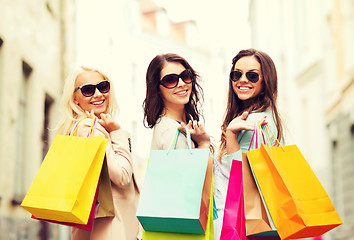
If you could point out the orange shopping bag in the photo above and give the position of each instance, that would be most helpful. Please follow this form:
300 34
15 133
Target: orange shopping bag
297 202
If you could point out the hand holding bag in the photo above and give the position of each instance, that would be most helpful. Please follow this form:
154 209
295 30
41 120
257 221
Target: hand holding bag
297 202
176 190
65 185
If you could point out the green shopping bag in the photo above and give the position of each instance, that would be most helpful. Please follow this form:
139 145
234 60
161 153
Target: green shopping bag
171 197
209 232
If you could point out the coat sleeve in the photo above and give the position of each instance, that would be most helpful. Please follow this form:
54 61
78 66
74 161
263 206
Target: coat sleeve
118 152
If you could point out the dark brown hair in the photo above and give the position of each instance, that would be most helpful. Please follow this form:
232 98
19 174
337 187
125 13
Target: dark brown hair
153 104
267 98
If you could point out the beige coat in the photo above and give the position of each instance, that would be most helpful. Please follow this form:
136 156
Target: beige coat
124 225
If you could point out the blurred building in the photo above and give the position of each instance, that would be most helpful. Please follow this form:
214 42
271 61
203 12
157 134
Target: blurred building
41 41
35 51
311 43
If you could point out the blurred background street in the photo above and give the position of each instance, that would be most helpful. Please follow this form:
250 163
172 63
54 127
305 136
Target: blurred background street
41 41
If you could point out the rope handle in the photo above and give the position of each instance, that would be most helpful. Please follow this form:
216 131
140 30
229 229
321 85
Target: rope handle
276 139
174 141
267 128
259 134
93 126
256 137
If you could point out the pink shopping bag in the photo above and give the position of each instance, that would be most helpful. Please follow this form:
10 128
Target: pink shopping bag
233 227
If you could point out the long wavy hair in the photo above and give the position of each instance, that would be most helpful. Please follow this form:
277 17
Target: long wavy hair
267 98
153 104
73 112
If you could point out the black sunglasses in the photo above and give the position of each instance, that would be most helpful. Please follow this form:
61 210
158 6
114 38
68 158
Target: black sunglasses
251 76
171 80
89 89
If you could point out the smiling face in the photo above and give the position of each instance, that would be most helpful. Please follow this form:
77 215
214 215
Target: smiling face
179 95
98 102
243 88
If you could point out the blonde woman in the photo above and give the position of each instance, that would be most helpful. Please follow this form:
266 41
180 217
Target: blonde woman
88 92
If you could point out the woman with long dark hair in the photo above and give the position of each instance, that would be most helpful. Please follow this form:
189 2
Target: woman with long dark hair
252 97
173 96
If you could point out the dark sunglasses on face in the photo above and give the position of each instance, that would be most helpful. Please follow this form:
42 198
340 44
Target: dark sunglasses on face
90 89
251 76
171 80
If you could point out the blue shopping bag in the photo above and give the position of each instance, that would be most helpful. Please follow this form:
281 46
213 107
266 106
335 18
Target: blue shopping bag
172 197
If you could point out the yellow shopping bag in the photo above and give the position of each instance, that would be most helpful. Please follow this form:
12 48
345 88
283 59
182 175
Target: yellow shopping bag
65 185
297 202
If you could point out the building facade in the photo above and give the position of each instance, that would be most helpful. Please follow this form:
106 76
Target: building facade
35 52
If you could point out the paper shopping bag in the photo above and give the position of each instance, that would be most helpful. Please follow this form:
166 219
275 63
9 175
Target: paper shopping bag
87 226
297 202
102 205
65 185
176 190
105 206
256 218
233 227
209 232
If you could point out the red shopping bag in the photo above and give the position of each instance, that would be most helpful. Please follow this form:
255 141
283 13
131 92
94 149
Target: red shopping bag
233 227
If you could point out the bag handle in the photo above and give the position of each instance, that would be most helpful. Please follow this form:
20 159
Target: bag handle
174 141
254 131
267 135
93 126
259 134
266 139
276 139
256 137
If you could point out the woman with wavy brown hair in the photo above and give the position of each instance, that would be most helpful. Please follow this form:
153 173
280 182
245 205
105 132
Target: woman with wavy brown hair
173 97
252 96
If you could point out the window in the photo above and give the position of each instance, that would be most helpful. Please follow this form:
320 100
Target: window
350 204
163 24
134 79
45 132
1 110
21 134
1 84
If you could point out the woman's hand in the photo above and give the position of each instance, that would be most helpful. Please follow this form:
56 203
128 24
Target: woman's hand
198 134
106 121
235 127
240 123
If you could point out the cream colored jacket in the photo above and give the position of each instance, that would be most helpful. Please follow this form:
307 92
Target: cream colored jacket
125 192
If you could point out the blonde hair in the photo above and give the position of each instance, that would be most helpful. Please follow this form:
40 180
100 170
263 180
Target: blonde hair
72 111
